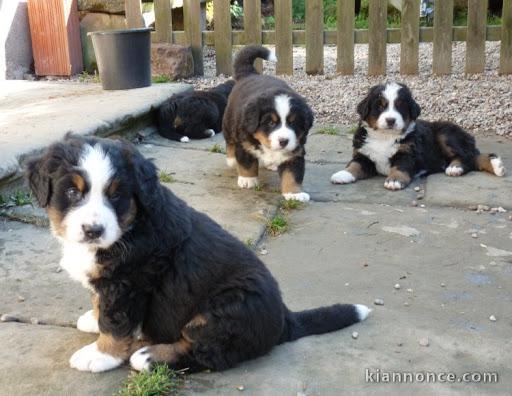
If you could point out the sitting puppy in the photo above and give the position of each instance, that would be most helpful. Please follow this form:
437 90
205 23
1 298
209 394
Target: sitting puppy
168 283
194 115
391 141
266 122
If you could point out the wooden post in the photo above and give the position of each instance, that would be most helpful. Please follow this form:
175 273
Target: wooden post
442 48
506 38
133 12
378 10
410 37
252 26
163 21
223 46
345 14
314 37
284 49
192 24
475 42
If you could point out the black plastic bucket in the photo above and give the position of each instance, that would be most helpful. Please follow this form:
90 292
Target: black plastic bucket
123 57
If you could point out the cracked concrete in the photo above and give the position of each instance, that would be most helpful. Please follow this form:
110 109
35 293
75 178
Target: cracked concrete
353 243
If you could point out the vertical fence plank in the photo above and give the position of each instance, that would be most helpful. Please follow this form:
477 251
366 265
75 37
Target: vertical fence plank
163 21
442 48
475 42
506 38
314 37
222 34
133 14
192 25
252 26
410 37
377 37
284 49
345 14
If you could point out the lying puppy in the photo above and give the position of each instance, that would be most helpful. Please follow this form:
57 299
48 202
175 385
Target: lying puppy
266 122
195 114
168 283
391 141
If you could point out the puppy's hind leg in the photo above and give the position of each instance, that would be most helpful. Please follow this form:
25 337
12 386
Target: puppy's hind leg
490 163
230 155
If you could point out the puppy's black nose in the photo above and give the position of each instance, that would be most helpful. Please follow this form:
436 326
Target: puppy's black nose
391 121
283 142
93 231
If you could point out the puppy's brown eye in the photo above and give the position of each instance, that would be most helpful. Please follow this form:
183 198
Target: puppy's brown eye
73 194
272 124
115 197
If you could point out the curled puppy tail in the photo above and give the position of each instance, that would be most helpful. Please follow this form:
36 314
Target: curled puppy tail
490 163
244 61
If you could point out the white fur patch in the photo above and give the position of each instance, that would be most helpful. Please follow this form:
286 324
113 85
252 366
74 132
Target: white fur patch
454 170
270 158
394 185
185 139
210 132
79 260
498 167
141 359
88 323
247 182
272 57
362 311
301 196
342 177
89 358
284 132
231 162
94 208
379 147
391 94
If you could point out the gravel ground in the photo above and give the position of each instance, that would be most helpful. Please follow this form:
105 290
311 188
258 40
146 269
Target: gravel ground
480 103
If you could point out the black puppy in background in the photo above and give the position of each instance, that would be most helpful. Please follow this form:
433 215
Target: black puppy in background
194 115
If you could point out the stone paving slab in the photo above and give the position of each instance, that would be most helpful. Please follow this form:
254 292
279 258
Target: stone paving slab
34 114
34 361
449 286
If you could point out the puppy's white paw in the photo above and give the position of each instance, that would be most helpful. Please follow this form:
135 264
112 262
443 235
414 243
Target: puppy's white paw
185 139
231 162
362 311
454 170
498 167
393 184
247 182
302 196
88 323
342 177
89 358
141 359
210 132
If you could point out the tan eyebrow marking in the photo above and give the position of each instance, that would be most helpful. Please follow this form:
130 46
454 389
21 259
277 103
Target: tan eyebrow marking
78 181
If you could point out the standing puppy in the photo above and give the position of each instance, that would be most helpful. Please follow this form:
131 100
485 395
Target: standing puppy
266 122
391 141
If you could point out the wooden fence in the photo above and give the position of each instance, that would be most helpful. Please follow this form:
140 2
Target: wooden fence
409 35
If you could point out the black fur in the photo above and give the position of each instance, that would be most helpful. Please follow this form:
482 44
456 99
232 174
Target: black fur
190 114
174 263
244 61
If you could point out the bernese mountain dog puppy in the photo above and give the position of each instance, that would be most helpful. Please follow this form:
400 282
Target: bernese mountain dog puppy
391 141
168 284
195 114
266 123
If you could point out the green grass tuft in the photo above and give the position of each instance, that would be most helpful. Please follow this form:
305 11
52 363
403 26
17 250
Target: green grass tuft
160 381
328 130
217 148
258 187
160 79
277 225
20 198
166 177
291 204
249 242
85 77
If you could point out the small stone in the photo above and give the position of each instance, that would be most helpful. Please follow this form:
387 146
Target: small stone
355 334
472 207
417 188
241 388
406 304
474 235
397 286
59 269
8 318
482 208
379 301
409 290
492 318
34 321
419 197
263 252
442 284
21 298
347 284
422 206
414 203
424 342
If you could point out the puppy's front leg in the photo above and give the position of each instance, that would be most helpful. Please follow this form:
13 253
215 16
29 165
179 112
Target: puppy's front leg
292 175
360 167
247 168
88 322
401 171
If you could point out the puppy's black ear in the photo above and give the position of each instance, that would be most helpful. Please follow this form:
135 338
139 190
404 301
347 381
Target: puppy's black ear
145 175
414 109
39 180
251 117
363 108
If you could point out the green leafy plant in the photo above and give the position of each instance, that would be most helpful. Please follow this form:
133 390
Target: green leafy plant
291 204
277 225
328 130
160 381
217 148
20 198
166 177
160 79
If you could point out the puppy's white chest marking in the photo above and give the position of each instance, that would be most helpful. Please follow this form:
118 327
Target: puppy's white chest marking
380 147
79 261
270 158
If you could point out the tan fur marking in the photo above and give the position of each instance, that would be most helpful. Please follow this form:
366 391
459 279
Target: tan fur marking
95 301
79 182
251 172
445 149
289 184
274 117
122 348
230 150
395 173
483 163
56 221
178 122
169 353
113 187
355 169
262 137
197 321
